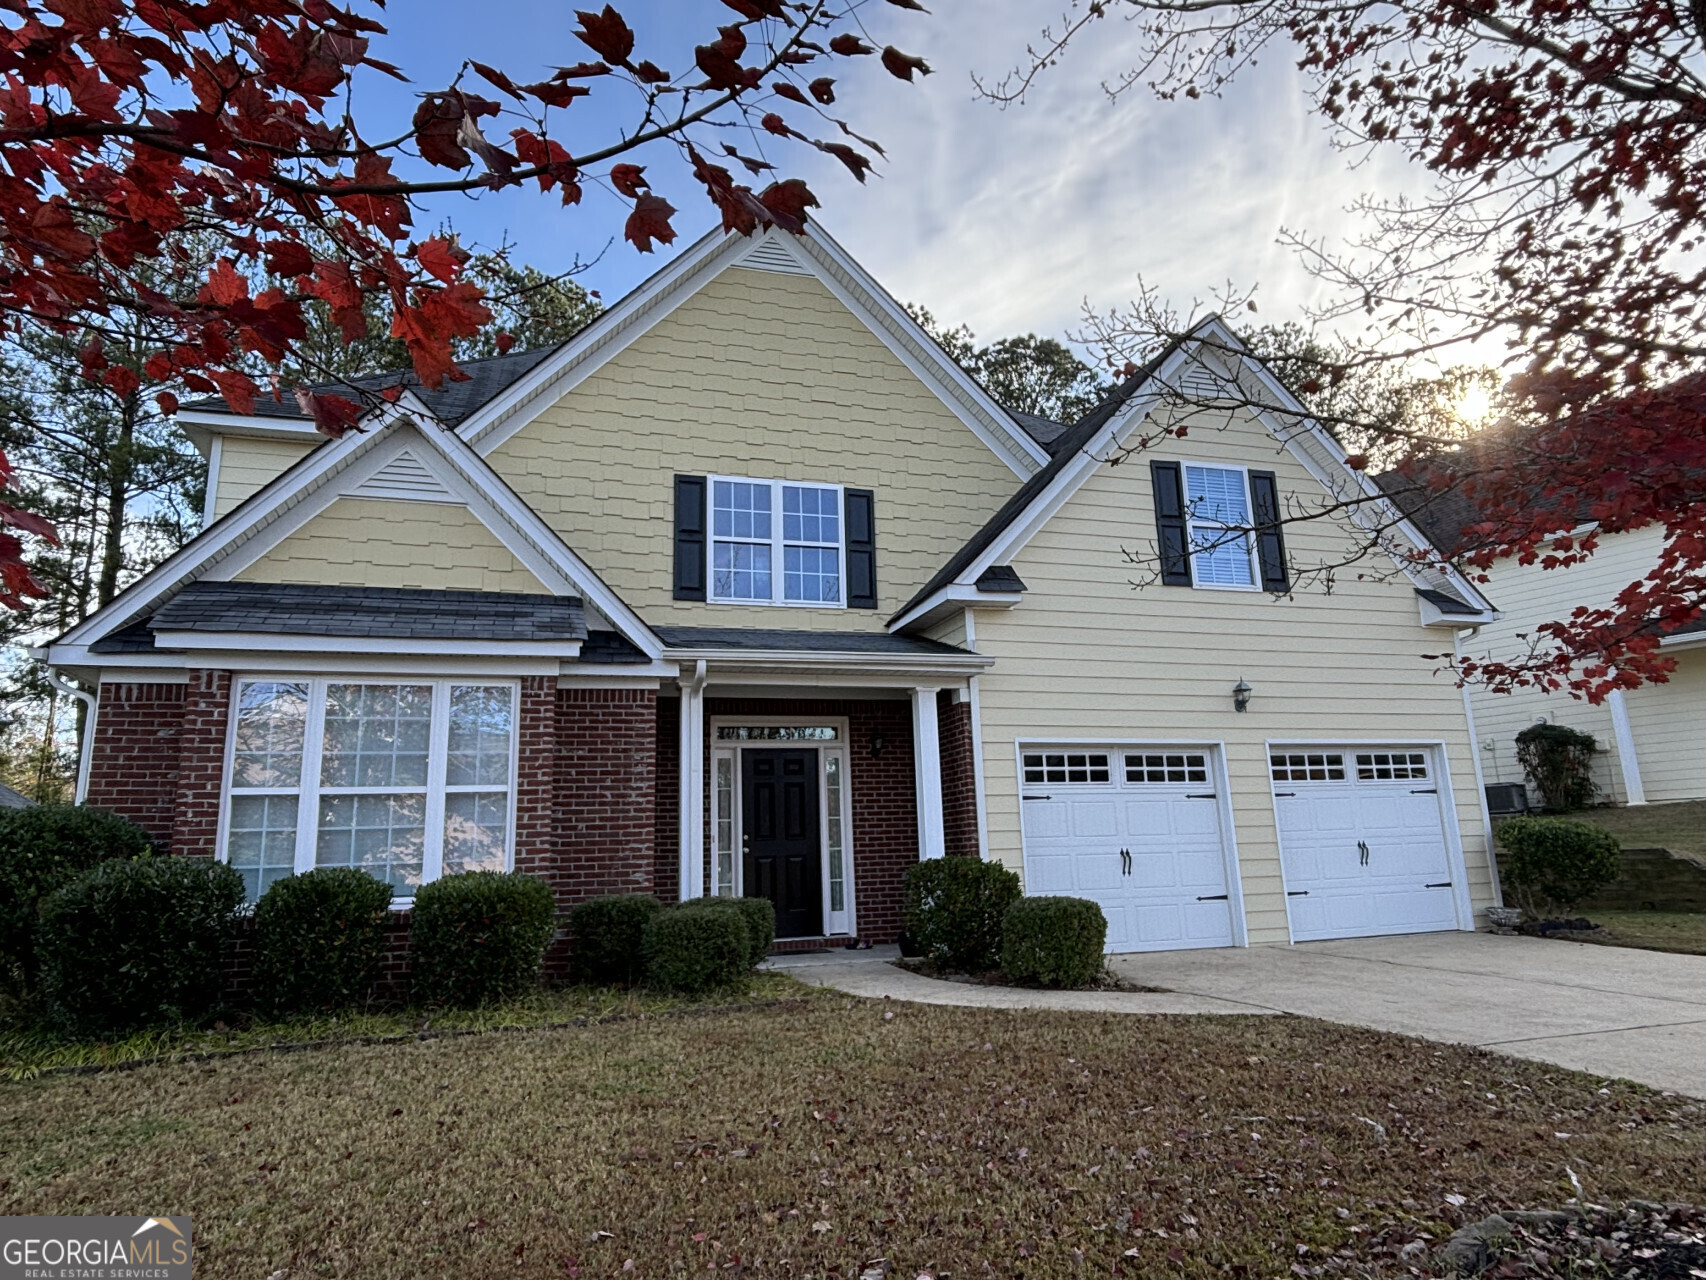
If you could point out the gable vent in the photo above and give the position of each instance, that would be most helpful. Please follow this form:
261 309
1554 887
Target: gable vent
768 255
405 478
1198 383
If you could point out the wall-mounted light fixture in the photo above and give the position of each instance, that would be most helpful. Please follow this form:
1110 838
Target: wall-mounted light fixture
877 745
1241 695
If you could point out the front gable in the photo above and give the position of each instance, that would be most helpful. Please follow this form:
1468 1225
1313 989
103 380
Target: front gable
764 374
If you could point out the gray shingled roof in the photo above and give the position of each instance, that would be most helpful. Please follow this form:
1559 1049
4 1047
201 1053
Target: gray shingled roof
755 640
1045 431
10 799
451 403
265 608
1447 602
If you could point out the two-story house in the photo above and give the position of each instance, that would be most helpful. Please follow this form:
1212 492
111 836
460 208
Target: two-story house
748 589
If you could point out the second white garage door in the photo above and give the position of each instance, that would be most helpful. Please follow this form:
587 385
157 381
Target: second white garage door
1136 830
1363 842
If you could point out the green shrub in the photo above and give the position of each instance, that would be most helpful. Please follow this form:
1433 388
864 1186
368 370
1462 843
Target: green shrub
479 937
318 940
606 934
695 948
760 917
1053 941
953 908
1559 761
41 849
127 944
1554 863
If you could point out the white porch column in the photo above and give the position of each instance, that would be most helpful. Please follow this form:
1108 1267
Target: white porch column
927 763
1633 791
692 745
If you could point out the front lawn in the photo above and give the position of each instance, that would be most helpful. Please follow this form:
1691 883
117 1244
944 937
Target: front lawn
28 1050
806 1140
1679 827
1682 931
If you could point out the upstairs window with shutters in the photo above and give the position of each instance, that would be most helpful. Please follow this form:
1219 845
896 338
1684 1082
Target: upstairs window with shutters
1218 527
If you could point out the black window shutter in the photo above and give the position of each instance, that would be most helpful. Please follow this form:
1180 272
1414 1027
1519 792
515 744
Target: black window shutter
1270 543
1170 537
689 537
860 511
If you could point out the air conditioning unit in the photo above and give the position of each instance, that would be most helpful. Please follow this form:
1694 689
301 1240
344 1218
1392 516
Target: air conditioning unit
1506 798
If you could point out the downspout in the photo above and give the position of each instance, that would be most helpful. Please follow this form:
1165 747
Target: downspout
91 706
1480 778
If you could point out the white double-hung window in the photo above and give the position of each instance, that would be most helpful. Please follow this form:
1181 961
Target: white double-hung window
773 542
408 780
1217 516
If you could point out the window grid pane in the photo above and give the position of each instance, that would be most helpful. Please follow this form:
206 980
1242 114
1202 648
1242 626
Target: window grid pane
376 735
740 510
1307 767
476 831
811 574
811 515
384 835
740 571
261 840
725 826
1172 767
1380 766
1066 767
832 807
272 718
481 717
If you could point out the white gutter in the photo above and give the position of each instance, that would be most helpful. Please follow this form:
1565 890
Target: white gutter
1480 777
92 707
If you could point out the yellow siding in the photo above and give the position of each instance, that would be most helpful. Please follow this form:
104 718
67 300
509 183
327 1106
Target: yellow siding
1087 655
366 542
767 376
247 465
1670 740
1527 596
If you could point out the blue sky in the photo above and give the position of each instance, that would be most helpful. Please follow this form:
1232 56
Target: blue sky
1004 219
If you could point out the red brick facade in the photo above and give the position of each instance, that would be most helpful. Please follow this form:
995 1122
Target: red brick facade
959 778
133 762
596 786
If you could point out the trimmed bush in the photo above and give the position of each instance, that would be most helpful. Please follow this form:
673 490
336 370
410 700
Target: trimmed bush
953 908
41 849
1553 863
318 940
479 937
760 917
1559 761
1056 942
606 934
695 948
127 944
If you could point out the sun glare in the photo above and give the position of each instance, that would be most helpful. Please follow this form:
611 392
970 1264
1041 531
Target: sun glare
1474 405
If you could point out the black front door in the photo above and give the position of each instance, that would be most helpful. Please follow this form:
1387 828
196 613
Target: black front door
783 860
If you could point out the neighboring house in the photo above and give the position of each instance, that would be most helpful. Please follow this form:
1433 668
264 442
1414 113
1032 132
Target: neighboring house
751 539
10 799
1650 745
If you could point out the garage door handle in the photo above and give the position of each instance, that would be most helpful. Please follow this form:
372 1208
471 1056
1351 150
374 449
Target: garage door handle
1297 893
1211 897
1362 846
1424 791
1443 884
1206 795
1125 862
1285 793
1036 797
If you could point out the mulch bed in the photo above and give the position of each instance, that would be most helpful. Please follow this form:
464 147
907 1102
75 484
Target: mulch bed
1638 1241
1107 980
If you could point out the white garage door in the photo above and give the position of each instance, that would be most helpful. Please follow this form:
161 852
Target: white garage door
1362 838
1136 830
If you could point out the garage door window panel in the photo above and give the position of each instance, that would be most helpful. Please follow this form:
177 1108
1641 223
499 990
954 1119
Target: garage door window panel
1187 767
1067 767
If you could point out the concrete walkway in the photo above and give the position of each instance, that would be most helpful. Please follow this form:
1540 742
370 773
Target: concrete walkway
1610 1011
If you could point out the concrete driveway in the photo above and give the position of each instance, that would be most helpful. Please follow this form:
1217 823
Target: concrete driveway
1611 1011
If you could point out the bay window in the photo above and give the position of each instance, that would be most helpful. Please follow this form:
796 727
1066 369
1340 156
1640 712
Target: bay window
406 780
776 543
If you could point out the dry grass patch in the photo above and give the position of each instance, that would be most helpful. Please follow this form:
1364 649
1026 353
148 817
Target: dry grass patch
1679 931
806 1140
1679 826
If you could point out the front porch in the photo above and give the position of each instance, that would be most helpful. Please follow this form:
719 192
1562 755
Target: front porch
815 788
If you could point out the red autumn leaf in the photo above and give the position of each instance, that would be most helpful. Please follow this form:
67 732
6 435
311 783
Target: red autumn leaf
902 65
774 123
158 366
237 387
437 122
823 89
122 380
650 73
504 342
391 394
788 202
721 71
333 415
909 4
847 45
648 222
29 522
223 285
731 40
628 179
856 163
443 258
556 95
753 166
497 79
786 90
581 70
1357 461
606 34
168 403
